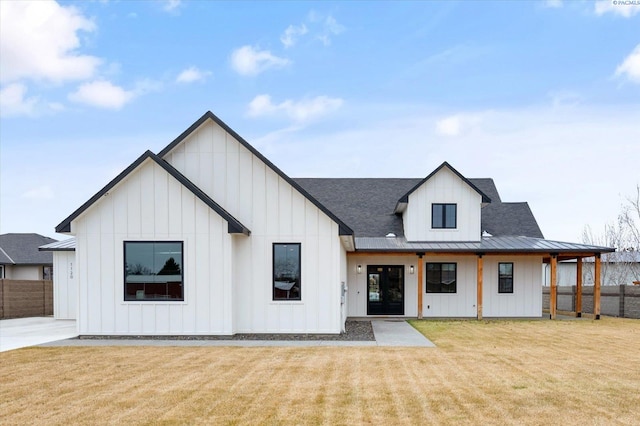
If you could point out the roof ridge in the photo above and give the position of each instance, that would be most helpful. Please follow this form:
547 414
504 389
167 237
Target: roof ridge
6 254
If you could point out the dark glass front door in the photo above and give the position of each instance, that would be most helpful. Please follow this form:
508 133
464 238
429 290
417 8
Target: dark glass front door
385 290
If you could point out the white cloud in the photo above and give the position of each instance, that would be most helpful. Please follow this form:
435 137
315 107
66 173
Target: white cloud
247 60
192 74
40 193
552 3
13 101
331 27
622 8
302 110
171 5
291 34
458 124
630 67
39 41
102 94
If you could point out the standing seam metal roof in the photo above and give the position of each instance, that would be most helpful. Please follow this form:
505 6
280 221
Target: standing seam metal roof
503 244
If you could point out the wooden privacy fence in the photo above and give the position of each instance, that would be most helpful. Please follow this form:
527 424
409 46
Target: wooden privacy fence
25 298
616 300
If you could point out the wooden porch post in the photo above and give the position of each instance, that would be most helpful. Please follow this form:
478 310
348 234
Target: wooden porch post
596 288
420 281
479 293
553 296
579 287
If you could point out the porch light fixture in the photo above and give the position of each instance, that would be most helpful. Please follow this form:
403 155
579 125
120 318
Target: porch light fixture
411 270
359 269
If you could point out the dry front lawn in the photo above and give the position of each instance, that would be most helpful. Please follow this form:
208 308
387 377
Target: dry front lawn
490 372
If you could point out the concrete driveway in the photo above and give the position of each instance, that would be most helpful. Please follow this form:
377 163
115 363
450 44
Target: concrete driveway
22 332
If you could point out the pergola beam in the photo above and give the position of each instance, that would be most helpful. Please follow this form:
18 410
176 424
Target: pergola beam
420 281
553 297
596 288
479 291
579 287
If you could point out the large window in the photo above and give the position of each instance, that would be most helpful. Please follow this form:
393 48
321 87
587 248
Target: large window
443 216
441 277
505 277
286 271
153 271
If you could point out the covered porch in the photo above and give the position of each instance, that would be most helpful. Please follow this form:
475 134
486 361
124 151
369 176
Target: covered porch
494 277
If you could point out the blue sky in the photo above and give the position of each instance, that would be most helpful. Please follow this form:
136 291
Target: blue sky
542 96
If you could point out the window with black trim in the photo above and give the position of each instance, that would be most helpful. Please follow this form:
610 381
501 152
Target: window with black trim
441 277
443 216
153 270
286 271
505 277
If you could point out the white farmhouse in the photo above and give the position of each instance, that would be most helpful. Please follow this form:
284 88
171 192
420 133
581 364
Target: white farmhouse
208 237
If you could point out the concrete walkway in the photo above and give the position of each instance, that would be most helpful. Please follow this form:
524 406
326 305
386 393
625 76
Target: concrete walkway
23 332
399 333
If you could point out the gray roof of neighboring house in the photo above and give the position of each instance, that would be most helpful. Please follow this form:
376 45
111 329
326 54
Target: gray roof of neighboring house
22 249
623 256
367 205
65 245
486 245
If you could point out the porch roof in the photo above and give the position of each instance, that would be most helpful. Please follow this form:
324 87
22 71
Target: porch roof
502 244
65 245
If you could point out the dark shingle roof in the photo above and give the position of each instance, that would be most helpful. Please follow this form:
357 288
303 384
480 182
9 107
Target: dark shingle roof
367 205
510 219
22 249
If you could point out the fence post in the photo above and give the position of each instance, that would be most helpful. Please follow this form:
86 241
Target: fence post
622 297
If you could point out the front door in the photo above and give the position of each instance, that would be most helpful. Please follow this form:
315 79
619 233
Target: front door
385 290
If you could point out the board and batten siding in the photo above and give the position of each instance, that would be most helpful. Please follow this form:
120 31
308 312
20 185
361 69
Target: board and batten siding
275 212
357 294
150 205
65 285
443 187
460 304
526 299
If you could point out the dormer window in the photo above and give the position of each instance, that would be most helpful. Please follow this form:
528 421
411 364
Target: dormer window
443 216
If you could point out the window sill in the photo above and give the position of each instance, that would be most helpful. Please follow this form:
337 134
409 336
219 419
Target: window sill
286 302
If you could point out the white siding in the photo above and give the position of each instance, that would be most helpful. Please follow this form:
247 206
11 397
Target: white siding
20 272
151 205
443 187
453 305
357 293
526 299
274 212
65 285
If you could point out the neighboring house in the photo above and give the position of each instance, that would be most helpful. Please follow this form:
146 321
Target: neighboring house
65 283
21 260
209 237
618 268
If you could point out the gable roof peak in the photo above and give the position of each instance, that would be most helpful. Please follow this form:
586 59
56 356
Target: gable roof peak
405 198
234 226
343 228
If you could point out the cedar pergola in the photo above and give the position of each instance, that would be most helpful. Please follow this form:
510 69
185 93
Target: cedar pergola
553 260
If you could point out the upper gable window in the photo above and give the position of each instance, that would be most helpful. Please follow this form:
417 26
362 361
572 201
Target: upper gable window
443 216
